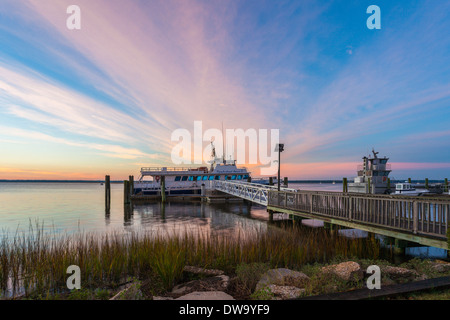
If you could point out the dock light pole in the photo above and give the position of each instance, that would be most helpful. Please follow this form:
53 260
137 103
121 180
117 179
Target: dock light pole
279 148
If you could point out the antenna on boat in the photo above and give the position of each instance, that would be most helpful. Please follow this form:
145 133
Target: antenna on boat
223 146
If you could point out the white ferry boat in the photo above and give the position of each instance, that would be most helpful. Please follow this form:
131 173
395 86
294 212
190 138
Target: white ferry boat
188 181
372 175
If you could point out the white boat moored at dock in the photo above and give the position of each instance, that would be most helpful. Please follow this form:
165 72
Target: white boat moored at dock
407 188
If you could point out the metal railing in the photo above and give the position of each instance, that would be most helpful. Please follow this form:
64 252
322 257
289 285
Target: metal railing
173 169
254 192
415 215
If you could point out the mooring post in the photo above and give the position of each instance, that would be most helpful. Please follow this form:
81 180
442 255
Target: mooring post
409 180
389 184
270 215
131 185
163 188
369 186
399 247
203 189
446 185
426 183
285 182
107 193
344 185
127 212
249 179
270 181
126 192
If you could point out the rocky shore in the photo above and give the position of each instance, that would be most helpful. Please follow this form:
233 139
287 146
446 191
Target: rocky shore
259 282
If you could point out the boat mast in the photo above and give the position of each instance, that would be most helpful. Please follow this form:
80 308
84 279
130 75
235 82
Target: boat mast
223 146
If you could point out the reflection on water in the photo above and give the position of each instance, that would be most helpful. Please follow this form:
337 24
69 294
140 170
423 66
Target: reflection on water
73 207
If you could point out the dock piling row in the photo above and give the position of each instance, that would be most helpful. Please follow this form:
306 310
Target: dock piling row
107 194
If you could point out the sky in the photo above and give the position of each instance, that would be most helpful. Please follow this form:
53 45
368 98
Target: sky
105 99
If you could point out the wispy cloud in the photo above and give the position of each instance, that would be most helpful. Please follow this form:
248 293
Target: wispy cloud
139 70
109 150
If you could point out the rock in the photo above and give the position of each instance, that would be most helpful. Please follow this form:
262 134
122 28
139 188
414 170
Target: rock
207 272
162 298
206 295
132 291
217 283
440 266
347 271
398 273
282 277
284 292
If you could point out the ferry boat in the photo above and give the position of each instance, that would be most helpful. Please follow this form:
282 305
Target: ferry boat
372 176
188 181
407 189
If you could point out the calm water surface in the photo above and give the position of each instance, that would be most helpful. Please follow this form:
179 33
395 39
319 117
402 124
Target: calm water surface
66 208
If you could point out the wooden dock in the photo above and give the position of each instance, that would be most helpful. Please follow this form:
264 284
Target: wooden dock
423 220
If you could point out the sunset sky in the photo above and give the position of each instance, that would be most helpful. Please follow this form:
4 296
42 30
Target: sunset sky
79 104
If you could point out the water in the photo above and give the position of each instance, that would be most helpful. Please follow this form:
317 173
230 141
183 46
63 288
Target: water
66 208
73 207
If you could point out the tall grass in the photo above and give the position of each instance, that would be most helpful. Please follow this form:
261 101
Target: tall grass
36 263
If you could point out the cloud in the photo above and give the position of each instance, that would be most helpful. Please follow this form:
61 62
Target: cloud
109 150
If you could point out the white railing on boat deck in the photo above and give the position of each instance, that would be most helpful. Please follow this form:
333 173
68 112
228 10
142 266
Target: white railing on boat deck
254 192
172 169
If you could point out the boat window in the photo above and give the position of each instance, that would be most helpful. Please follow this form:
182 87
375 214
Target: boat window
239 177
245 176
191 178
375 173
217 178
211 178
205 177
199 178
177 178
384 161
233 177
184 178
226 177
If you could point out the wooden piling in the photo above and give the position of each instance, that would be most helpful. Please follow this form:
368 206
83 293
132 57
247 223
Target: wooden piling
270 181
344 185
107 193
446 185
409 180
126 192
163 188
270 215
369 187
131 179
426 183
285 182
203 190
249 179
399 247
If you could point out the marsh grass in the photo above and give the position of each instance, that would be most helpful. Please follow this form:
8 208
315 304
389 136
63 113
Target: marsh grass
35 263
